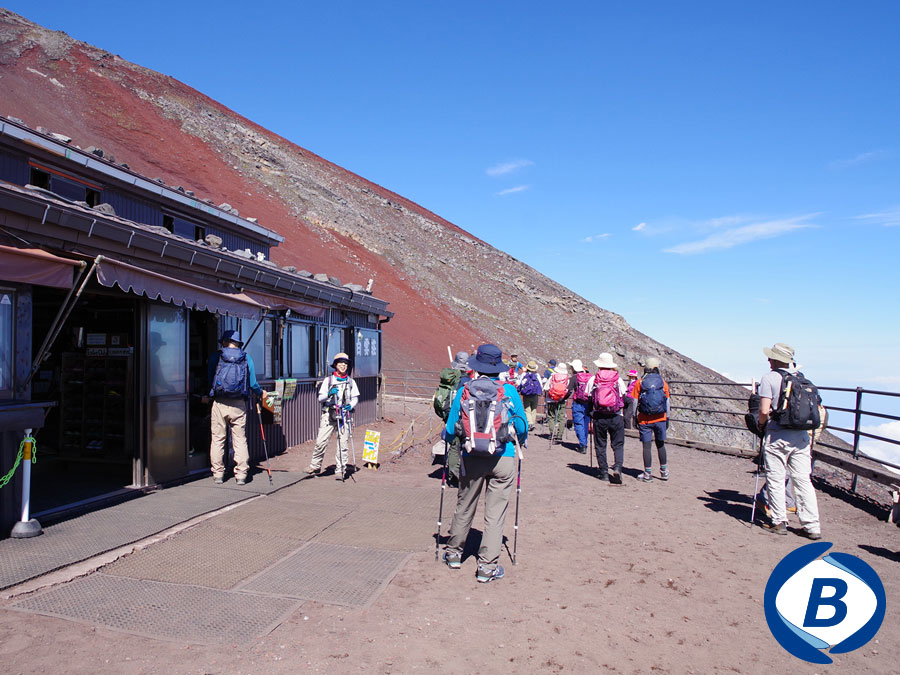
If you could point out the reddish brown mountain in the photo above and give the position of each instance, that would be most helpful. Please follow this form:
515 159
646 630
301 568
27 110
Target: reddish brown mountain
444 285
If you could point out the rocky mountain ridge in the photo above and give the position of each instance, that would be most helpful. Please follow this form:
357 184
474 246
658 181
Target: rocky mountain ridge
444 284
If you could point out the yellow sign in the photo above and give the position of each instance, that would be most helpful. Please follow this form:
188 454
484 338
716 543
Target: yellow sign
370 446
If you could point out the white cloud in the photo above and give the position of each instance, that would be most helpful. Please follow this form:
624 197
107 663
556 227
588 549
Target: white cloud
513 190
596 237
889 218
861 158
743 235
883 379
639 227
508 167
882 450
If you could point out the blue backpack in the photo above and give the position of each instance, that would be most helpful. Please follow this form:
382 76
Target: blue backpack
652 400
232 375
531 385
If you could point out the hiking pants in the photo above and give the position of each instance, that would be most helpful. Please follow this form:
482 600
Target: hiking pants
556 417
782 456
497 476
453 457
328 424
614 427
530 404
628 412
228 412
580 421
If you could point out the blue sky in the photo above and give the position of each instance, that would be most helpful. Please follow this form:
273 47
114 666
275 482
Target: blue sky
724 175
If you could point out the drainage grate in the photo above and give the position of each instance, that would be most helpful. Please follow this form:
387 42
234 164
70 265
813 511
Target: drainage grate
384 530
340 575
204 555
167 611
290 520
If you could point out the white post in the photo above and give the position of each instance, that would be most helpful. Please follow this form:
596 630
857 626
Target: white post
27 526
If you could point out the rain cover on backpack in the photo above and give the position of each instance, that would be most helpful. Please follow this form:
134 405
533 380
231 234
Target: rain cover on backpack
231 378
484 416
606 396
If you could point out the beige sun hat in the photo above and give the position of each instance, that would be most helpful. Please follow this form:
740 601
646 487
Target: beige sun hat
531 367
562 369
606 361
781 352
577 365
652 363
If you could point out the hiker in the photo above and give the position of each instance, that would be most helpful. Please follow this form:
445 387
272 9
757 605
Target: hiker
785 450
606 391
548 371
515 368
530 386
482 469
652 395
232 379
630 402
556 391
581 403
337 392
451 379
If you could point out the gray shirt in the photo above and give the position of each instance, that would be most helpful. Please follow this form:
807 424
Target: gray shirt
770 387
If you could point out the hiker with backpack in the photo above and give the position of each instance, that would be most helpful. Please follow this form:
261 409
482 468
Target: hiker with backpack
557 390
485 414
451 379
581 403
652 395
338 396
630 401
232 377
788 411
530 386
606 392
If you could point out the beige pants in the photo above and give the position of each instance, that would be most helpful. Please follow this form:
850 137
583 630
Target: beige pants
496 476
231 412
530 403
791 456
327 426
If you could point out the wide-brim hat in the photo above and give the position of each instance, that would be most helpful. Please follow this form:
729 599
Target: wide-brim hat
561 369
231 336
531 367
461 361
652 363
341 356
605 361
780 352
577 366
632 373
488 360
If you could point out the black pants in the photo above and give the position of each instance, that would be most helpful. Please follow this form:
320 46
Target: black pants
614 427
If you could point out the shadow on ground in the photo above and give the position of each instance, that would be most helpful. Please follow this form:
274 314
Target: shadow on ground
730 502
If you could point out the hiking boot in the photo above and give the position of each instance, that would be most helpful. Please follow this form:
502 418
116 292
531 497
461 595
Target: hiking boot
646 477
775 528
615 477
582 449
811 535
240 481
484 574
218 480
664 474
791 509
603 475
452 481
311 471
452 559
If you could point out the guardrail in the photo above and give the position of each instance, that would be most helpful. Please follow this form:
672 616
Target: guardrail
420 385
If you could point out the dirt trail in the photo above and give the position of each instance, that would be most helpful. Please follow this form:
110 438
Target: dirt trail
664 577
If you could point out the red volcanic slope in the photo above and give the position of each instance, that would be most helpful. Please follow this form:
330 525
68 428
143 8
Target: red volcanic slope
94 101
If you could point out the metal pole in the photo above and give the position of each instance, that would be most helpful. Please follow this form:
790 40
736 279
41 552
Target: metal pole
27 526
856 423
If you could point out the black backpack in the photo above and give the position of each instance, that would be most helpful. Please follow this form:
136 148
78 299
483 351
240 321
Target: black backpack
798 403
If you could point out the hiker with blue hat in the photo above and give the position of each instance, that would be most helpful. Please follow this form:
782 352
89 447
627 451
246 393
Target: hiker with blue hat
485 414
232 378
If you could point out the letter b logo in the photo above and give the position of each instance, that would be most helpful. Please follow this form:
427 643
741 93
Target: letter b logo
816 600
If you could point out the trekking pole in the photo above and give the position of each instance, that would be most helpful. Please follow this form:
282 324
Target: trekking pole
352 447
591 440
339 420
758 470
518 497
265 448
437 535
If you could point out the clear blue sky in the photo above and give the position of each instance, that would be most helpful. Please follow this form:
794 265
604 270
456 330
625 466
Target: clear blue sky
724 175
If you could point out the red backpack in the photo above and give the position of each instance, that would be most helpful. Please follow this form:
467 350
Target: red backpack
484 417
581 380
559 385
606 398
